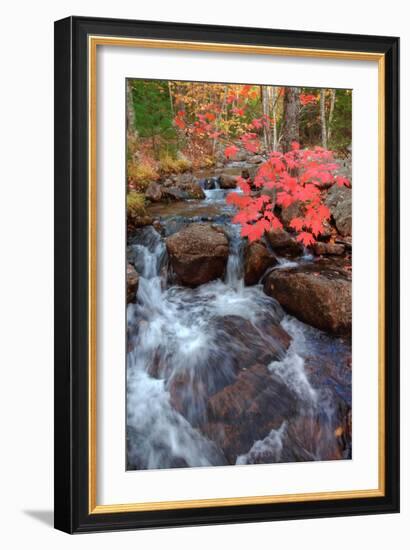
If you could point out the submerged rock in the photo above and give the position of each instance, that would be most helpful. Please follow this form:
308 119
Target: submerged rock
239 344
246 343
257 260
319 294
198 254
247 410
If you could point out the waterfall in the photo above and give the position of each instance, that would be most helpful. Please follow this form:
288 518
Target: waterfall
234 268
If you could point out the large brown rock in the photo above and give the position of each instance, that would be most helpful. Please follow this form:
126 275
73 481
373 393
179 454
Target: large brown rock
283 243
256 159
174 194
319 294
295 210
328 249
339 201
153 192
227 181
194 190
135 221
249 172
188 183
198 254
132 283
257 260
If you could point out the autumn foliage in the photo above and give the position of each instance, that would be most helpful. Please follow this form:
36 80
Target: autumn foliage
295 176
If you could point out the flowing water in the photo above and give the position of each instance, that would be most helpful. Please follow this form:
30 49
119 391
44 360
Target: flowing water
186 345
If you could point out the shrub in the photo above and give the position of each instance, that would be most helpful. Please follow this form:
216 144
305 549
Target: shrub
169 165
135 204
140 175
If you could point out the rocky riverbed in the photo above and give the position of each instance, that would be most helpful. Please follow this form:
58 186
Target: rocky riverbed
237 353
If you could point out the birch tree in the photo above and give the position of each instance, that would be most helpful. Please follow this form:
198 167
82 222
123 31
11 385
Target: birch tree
323 117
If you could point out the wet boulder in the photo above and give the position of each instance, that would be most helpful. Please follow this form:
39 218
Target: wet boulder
319 294
339 201
257 260
132 283
256 159
183 179
174 194
153 192
283 243
135 221
295 210
249 172
194 191
328 249
209 183
198 254
227 181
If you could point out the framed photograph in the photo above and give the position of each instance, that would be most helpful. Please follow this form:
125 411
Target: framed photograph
226 274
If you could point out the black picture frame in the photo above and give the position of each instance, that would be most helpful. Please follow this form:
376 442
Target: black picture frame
71 419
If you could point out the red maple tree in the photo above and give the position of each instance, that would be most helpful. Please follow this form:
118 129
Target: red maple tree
295 176
298 175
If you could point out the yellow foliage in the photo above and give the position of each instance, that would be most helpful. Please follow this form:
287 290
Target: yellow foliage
135 204
140 174
168 165
207 162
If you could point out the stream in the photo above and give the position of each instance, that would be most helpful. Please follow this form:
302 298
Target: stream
213 378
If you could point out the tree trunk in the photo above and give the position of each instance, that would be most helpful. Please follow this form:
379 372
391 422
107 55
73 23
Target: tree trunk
274 124
130 110
331 111
218 122
171 101
323 116
291 118
266 113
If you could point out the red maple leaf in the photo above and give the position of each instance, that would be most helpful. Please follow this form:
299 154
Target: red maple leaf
305 99
254 232
210 117
249 214
284 199
306 238
179 122
340 181
243 184
297 224
256 123
250 142
241 201
231 151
